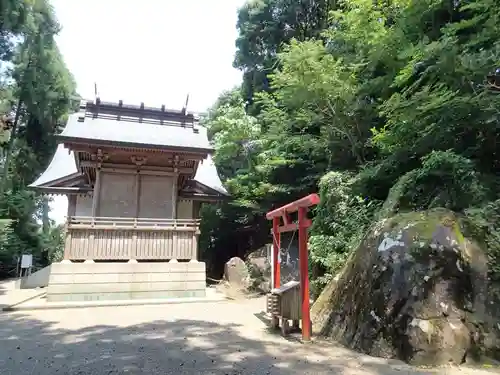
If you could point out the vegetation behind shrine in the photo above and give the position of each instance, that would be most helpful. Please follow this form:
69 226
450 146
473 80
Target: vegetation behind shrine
38 90
382 106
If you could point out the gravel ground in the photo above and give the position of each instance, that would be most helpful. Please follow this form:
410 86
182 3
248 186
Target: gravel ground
210 338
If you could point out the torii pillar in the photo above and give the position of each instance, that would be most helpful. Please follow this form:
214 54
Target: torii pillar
301 205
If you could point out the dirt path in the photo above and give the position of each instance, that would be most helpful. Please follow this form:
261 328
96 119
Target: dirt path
211 338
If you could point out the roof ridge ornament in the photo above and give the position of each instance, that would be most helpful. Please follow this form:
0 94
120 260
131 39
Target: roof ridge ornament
196 123
82 110
141 113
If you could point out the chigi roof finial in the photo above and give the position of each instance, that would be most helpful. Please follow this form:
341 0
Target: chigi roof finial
184 109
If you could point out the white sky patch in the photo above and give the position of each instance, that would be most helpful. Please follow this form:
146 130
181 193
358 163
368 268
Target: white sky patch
151 51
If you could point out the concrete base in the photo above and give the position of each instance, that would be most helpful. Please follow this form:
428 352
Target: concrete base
74 282
42 304
38 279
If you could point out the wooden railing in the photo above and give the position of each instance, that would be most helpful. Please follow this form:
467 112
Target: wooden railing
109 238
132 223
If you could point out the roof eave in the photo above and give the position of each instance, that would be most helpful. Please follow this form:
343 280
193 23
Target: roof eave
204 197
69 178
101 142
61 190
218 192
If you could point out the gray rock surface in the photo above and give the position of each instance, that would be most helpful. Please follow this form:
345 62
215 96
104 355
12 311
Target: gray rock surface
417 288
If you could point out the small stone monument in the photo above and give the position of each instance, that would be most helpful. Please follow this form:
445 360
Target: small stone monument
236 273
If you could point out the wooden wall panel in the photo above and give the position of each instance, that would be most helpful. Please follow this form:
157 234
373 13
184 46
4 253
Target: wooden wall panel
156 197
118 195
83 205
184 209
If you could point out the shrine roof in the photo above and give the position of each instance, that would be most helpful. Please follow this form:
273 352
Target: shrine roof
135 126
207 175
129 126
63 167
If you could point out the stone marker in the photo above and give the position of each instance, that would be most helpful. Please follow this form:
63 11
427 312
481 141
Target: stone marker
236 273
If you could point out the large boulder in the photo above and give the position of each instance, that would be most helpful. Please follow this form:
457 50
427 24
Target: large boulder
416 289
259 268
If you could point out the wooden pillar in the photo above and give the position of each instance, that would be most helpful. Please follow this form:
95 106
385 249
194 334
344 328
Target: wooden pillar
71 206
135 241
174 196
304 274
67 244
195 209
70 213
137 194
97 192
276 253
195 245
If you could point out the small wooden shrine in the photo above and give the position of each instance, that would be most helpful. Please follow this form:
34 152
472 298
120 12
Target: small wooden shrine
135 178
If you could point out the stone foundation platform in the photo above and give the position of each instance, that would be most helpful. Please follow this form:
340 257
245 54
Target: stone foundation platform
91 281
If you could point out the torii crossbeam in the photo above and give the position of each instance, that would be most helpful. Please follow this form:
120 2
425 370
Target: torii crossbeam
284 212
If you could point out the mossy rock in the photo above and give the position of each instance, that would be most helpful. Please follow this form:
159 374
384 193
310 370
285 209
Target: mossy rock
415 289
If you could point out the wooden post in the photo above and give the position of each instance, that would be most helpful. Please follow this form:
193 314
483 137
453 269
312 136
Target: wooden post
174 196
304 274
97 191
70 213
67 244
71 206
195 245
135 248
137 194
276 253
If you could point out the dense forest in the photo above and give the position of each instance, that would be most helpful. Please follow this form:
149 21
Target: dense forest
382 106
36 92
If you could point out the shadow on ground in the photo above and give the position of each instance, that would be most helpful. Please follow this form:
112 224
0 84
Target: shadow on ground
30 346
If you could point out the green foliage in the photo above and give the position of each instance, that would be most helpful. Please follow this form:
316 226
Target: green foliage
6 234
36 91
235 136
54 242
264 27
445 179
487 221
340 222
382 105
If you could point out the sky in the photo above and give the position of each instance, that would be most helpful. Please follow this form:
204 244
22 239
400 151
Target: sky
151 51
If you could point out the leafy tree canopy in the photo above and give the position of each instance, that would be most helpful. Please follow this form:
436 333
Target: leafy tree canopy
36 93
382 106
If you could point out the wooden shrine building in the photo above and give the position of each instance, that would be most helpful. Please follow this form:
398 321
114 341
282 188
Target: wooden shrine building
135 178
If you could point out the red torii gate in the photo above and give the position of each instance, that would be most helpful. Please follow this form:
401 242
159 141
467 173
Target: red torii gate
301 206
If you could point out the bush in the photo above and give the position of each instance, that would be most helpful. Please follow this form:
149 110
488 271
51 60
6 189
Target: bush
444 179
486 220
341 220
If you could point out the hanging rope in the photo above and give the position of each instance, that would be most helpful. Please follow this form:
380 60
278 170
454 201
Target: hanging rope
289 244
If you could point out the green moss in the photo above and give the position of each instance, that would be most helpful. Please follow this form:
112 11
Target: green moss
458 234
